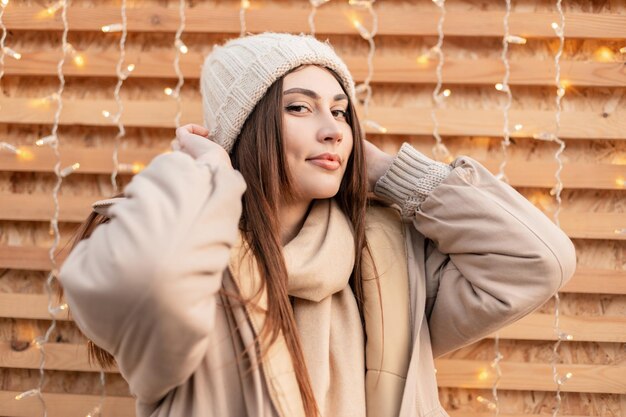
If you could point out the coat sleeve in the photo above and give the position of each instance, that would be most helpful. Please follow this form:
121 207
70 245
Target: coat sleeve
144 285
491 256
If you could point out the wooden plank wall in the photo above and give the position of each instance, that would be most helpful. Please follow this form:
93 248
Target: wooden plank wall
593 304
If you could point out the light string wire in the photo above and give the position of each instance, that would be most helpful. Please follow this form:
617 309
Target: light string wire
121 77
440 151
505 143
53 142
314 5
3 37
4 50
368 35
180 48
245 5
559 29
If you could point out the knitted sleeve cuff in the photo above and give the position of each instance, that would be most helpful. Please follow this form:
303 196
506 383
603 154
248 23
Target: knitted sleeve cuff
410 179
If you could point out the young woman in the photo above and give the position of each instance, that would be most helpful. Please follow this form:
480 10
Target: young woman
246 273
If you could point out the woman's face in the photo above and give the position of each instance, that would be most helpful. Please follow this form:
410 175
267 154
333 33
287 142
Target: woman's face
316 135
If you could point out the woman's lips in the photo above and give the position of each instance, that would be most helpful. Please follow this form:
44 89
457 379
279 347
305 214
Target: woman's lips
326 164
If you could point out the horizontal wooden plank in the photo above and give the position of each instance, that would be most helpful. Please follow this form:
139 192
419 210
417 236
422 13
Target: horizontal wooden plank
582 328
585 280
535 326
531 376
388 69
329 20
28 306
59 357
597 281
397 120
520 173
74 209
460 413
450 372
28 258
64 405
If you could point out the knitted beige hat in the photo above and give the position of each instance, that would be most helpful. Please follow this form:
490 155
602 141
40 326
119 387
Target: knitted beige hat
235 76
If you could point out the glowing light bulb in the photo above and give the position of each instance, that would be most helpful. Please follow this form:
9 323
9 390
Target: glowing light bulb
365 34
11 148
58 309
245 4
361 3
604 54
547 136
518 127
4 3
446 92
48 140
622 50
55 7
106 113
113 27
181 46
13 54
620 182
69 170
439 3
375 125
168 91
516 39
79 60
26 394
131 168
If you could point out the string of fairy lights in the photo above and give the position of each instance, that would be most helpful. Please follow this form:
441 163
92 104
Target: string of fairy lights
559 29
53 141
364 90
439 150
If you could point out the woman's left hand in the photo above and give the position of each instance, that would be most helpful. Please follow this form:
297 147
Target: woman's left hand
378 162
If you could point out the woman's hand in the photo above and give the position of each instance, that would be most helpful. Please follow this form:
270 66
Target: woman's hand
194 140
378 162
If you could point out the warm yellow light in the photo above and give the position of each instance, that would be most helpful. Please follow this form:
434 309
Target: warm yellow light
137 167
4 3
554 25
130 67
499 86
483 375
622 50
25 154
245 4
447 92
604 54
168 91
518 127
423 59
106 113
79 61
365 34
619 181
55 7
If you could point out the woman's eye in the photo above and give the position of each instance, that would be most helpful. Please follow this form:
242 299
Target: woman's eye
340 113
295 108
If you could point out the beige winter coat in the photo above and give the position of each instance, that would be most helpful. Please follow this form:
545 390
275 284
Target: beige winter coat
476 256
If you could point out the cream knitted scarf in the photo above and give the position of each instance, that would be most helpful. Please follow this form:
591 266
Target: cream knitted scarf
319 262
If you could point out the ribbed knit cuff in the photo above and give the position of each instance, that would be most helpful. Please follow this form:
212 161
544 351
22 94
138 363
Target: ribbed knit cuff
410 178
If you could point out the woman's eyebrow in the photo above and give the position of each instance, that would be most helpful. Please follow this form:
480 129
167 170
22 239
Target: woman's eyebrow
313 94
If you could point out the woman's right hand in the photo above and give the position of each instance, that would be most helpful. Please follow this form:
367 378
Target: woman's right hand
194 140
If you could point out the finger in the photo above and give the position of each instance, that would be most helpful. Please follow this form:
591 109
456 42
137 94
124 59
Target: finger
195 129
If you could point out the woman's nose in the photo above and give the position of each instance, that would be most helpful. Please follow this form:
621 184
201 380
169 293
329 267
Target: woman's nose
330 131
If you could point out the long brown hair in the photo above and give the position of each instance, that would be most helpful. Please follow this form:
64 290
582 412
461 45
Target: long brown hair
258 155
